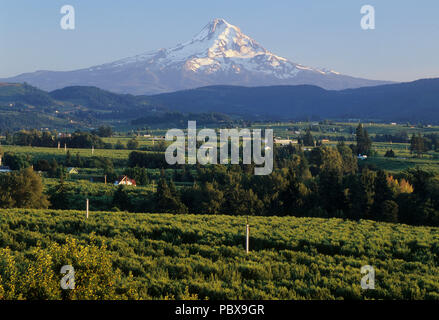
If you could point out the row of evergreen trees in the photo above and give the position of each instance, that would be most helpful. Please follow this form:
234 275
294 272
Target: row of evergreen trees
325 182
363 142
421 144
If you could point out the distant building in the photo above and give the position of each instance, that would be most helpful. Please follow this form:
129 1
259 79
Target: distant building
362 157
72 170
64 135
285 142
124 180
5 169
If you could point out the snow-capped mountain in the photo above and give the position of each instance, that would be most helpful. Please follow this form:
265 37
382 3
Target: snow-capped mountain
219 54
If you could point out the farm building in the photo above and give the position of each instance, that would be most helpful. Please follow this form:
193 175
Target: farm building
3 169
72 170
124 180
285 141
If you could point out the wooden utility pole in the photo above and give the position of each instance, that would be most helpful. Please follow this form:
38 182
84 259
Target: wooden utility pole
105 179
92 150
247 237
87 206
65 147
59 145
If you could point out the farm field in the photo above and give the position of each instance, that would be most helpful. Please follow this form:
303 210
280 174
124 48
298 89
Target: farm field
179 231
344 129
396 165
48 153
403 158
171 256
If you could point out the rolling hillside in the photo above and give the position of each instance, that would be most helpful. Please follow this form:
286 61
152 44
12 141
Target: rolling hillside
412 101
78 106
13 93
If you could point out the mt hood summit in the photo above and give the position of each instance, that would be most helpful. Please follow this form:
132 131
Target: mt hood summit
220 54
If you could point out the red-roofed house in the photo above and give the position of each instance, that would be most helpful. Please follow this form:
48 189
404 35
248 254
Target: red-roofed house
124 180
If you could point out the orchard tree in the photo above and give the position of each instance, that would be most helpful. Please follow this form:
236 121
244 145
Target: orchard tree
22 189
104 131
16 161
121 199
59 197
132 144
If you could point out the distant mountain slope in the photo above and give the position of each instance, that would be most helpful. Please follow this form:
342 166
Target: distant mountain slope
412 101
98 99
267 101
220 54
23 93
22 105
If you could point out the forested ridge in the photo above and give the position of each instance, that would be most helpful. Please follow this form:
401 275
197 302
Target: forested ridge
85 107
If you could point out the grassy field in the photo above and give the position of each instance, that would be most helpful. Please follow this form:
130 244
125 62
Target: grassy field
345 129
394 165
290 258
403 160
47 153
142 141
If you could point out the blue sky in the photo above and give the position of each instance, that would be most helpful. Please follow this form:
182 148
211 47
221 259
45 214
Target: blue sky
318 33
